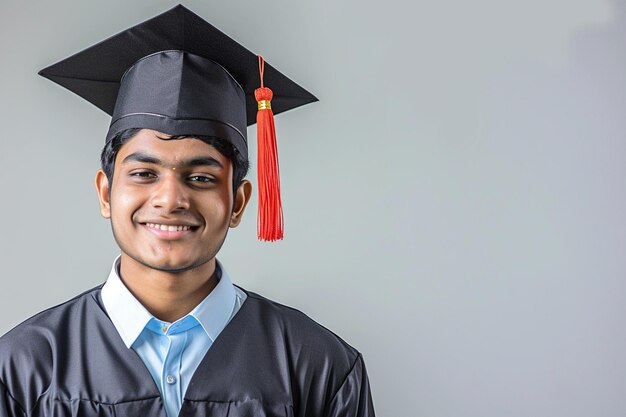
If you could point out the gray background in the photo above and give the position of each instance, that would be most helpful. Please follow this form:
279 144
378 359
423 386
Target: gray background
454 203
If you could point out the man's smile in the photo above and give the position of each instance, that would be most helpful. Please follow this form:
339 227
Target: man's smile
168 228
169 231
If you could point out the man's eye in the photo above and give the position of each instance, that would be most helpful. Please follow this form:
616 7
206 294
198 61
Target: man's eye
142 174
201 179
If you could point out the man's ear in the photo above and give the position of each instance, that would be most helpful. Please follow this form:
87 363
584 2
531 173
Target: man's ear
102 187
242 197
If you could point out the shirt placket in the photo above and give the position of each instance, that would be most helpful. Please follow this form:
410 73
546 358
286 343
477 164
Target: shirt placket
171 387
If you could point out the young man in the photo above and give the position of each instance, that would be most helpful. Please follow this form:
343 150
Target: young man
168 334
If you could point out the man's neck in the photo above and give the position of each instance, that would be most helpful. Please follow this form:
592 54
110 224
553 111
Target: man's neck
168 296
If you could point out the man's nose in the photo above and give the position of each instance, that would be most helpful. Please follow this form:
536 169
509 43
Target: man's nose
170 194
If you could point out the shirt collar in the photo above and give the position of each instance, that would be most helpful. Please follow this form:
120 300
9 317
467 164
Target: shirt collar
215 311
130 317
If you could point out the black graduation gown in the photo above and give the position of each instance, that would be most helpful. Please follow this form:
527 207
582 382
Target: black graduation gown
269 361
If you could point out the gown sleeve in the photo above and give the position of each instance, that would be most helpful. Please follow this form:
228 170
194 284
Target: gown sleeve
8 406
353 398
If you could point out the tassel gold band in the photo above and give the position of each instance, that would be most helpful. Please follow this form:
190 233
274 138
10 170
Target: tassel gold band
265 105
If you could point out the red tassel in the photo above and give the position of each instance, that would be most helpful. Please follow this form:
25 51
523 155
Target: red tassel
270 215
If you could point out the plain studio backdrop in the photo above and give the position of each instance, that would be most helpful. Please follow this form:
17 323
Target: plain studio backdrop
454 203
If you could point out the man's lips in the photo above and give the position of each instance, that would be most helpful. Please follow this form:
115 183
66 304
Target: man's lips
169 231
168 227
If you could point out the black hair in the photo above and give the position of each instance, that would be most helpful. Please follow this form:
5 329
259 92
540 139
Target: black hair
240 162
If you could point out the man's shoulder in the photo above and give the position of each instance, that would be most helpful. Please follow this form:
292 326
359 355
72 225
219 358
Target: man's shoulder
299 332
47 322
271 338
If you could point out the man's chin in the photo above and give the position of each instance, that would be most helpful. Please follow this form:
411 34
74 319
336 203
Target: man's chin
169 265
173 269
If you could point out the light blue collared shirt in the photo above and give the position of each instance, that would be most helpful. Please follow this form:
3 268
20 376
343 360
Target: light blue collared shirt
171 351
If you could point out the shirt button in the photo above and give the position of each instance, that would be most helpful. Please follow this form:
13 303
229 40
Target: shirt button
170 379
164 328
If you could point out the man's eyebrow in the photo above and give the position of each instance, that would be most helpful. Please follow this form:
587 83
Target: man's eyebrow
193 162
203 160
142 157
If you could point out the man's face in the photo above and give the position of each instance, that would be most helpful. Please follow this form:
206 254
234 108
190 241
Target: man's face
171 201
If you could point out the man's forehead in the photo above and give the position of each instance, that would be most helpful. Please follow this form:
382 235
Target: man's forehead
149 143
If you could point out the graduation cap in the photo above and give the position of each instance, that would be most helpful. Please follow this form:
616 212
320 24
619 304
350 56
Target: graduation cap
179 75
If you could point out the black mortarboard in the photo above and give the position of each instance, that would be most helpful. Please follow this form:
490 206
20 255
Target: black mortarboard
179 75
